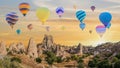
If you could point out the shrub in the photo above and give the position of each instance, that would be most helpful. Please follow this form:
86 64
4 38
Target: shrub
80 65
117 64
104 64
6 63
38 60
59 60
16 59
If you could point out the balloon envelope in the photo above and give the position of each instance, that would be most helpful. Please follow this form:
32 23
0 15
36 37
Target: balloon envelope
81 15
109 25
75 7
92 8
47 28
11 18
82 26
30 26
43 13
90 31
24 8
60 11
100 29
18 31
105 18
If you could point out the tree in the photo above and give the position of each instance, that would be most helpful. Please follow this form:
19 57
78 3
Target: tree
115 59
74 57
92 64
59 60
51 57
16 59
38 60
80 65
118 56
80 60
104 64
6 63
117 64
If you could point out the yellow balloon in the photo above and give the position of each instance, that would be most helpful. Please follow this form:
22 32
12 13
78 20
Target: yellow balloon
43 13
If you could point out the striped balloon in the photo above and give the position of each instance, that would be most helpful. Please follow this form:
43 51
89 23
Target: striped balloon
11 18
60 11
100 29
81 15
24 8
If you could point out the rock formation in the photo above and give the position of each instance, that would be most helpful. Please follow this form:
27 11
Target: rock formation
17 49
21 48
32 49
3 50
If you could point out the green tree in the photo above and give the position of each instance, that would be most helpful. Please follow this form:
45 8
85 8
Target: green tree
117 64
59 60
118 56
16 59
92 64
38 60
104 64
74 57
51 57
80 60
80 65
6 63
114 59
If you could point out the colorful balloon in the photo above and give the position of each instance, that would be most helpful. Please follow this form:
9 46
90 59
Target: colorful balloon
60 11
43 13
81 15
47 28
24 8
75 7
109 25
11 18
63 27
18 31
105 18
93 8
90 31
82 26
30 26
100 29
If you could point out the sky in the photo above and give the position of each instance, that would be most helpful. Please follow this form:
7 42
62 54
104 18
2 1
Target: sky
72 34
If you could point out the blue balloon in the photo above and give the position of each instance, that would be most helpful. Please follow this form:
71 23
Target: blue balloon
81 15
82 26
109 25
105 18
18 31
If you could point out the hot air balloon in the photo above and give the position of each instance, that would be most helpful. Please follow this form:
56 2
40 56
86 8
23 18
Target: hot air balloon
90 31
43 13
81 15
82 26
60 11
100 29
18 31
63 27
24 8
75 7
30 26
47 28
11 18
105 18
109 25
92 8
